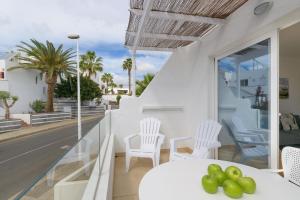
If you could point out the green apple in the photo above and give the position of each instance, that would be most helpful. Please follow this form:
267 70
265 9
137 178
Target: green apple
221 177
233 173
210 184
232 189
213 168
248 184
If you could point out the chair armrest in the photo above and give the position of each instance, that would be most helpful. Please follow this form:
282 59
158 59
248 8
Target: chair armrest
161 139
263 131
214 145
128 138
173 142
253 143
181 139
250 132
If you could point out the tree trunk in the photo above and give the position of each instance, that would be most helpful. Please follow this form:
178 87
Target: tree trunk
106 88
6 108
129 82
51 81
7 113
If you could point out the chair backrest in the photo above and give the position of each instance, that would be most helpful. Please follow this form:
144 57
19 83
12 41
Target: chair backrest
149 130
238 123
207 133
230 132
291 164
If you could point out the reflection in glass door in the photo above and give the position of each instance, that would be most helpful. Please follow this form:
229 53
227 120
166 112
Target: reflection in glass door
244 105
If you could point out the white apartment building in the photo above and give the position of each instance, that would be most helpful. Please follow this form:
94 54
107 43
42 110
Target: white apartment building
28 85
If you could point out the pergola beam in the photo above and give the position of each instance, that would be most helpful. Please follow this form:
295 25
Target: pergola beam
180 17
147 5
166 36
151 48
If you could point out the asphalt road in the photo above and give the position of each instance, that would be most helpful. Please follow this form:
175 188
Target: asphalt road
23 159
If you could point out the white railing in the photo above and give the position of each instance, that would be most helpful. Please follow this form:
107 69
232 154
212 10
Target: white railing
99 186
79 170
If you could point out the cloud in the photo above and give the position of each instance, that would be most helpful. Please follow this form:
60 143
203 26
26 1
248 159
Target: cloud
147 68
94 20
100 23
113 63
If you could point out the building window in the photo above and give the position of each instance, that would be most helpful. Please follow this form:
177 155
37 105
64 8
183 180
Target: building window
244 82
44 90
2 77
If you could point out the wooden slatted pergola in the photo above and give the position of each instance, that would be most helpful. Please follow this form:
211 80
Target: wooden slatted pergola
164 25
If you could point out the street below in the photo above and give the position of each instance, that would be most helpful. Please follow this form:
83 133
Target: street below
23 159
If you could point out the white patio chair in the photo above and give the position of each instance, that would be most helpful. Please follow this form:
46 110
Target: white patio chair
290 157
206 138
249 145
240 127
150 142
80 152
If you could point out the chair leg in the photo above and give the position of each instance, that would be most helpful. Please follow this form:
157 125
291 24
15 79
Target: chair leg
157 160
128 158
154 161
234 155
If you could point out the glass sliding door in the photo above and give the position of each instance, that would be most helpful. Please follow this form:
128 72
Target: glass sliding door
244 105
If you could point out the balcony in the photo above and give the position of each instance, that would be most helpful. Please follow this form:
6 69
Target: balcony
180 102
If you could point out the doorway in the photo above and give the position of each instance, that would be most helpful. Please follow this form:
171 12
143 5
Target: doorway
244 90
289 86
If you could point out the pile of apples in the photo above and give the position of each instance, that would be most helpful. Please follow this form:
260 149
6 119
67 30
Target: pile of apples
232 181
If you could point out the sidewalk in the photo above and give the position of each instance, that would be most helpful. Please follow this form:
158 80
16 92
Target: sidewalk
37 129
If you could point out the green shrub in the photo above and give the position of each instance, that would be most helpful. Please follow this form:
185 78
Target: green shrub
118 98
142 84
38 106
89 90
4 102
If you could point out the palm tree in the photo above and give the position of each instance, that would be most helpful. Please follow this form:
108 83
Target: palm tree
141 85
90 64
49 60
113 85
107 78
127 65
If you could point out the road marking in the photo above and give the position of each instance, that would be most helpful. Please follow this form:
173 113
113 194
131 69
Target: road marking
36 149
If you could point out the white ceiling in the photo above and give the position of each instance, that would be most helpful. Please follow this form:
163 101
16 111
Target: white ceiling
289 41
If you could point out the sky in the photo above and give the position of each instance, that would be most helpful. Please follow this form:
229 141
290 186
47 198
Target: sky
101 24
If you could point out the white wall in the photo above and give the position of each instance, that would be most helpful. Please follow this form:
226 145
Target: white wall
290 68
187 79
22 83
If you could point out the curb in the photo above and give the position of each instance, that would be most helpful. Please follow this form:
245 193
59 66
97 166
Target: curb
37 129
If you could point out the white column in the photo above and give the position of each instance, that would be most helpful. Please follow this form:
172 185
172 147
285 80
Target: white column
133 73
274 99
78 93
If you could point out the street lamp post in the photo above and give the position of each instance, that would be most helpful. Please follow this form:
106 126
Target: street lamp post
76 37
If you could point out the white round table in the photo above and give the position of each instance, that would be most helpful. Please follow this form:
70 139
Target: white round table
181 180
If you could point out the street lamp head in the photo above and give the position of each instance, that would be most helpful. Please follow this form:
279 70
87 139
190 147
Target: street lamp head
73 36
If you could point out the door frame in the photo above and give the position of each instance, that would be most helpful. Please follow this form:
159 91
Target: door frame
273 161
